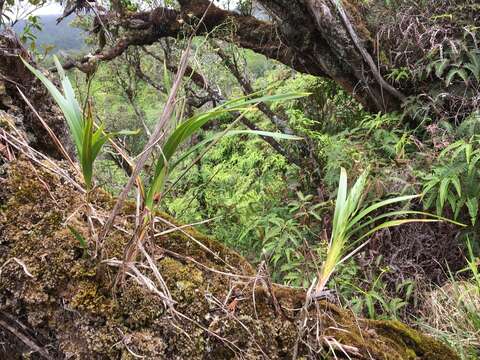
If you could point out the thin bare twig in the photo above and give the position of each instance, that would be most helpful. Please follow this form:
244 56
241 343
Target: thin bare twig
156 136
55 139
23 337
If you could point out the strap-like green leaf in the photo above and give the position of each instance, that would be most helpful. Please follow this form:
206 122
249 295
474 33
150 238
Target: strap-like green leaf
472 206
378 205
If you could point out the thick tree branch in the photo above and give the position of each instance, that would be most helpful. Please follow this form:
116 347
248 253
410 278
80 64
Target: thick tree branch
306 46
329 38
336 39
146 28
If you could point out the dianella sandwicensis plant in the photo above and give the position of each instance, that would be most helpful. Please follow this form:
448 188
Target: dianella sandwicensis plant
353 224
169 155
87 137
239 107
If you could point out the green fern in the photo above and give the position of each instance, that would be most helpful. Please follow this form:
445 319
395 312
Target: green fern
455 180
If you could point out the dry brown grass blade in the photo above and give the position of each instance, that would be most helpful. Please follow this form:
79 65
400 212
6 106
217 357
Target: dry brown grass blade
158 131
5 150
13 328
134 272
205 267
39 159
156 273
199 243
156 136
55 139
19 262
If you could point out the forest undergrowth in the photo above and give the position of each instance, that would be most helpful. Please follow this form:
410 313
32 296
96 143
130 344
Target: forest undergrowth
274 211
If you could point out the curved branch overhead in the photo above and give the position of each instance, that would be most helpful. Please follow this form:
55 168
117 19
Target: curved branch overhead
146 28
313 47
327 38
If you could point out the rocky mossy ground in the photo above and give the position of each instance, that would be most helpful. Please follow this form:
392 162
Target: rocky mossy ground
57 303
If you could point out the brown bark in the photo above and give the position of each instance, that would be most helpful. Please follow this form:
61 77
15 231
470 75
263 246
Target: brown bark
13 76
314 37
347 41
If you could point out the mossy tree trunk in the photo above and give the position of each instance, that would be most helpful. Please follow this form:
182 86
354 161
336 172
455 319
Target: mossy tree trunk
56 303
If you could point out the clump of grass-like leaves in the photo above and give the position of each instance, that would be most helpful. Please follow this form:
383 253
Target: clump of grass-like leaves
88 140
452 311
350 220
187 128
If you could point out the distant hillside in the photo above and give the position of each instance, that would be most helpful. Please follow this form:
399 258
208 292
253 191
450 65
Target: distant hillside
64 36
